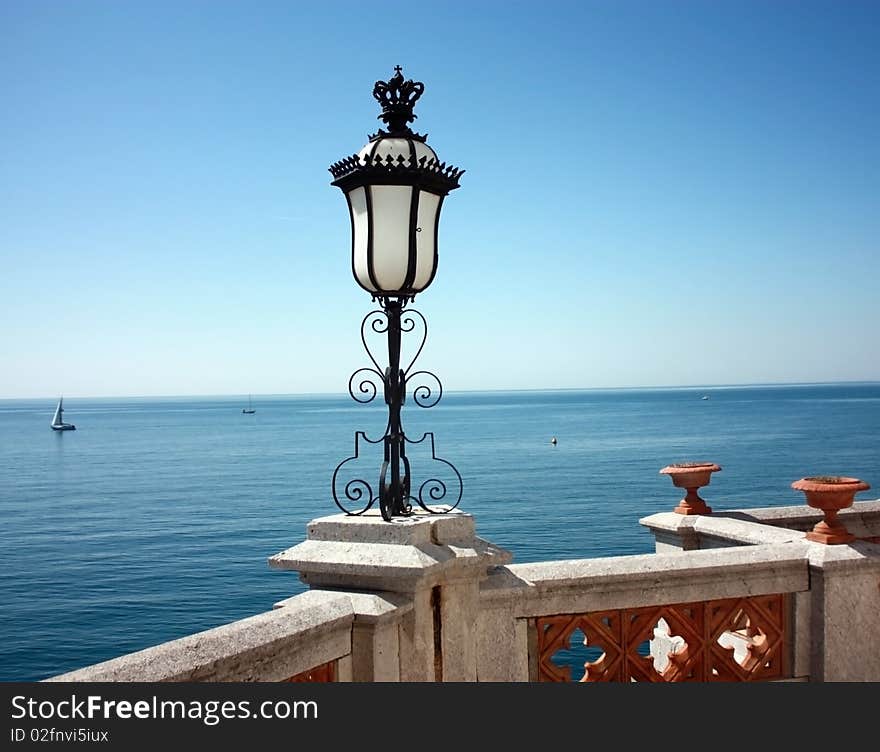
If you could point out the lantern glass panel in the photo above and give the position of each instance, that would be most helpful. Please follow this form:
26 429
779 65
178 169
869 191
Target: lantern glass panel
426 250
391 206
360 228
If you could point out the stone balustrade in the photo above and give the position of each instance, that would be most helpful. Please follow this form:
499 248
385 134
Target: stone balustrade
517 601
843 601
309 631
732 596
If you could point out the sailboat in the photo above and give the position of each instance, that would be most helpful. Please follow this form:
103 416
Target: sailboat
248 410
57 423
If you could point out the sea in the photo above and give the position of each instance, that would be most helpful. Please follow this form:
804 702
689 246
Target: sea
154 519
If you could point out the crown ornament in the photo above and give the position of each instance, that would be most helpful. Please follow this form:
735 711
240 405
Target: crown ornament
375 165
397 97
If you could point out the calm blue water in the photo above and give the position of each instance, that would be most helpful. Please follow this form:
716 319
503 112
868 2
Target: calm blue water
154 519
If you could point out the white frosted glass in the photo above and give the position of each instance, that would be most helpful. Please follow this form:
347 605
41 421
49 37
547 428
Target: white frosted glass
423 150
427 222
397 147
357 201
391 207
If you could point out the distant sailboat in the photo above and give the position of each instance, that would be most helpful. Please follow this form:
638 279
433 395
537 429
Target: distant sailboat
248 410
57 423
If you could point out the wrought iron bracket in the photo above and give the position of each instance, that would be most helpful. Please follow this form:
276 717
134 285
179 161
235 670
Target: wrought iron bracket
394 491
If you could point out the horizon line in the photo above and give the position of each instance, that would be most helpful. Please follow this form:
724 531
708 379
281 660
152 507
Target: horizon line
655 387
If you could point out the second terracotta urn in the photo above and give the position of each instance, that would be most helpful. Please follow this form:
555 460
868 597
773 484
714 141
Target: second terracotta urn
830 493
691 476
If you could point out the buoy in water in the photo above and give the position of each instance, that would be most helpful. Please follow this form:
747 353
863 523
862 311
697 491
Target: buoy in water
553 441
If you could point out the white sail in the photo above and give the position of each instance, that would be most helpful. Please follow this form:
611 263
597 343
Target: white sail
58 423
56 419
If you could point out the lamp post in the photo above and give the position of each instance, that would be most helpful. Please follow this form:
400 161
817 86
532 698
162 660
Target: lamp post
395 186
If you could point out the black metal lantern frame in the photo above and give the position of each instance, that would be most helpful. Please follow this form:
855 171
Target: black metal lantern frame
395 187
360 178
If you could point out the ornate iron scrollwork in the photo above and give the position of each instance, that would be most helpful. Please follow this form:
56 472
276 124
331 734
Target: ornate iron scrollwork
394 490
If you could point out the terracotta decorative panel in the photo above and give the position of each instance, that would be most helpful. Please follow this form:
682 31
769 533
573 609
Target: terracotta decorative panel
326 672
735 639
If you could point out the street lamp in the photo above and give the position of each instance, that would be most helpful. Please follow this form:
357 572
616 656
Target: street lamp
395 187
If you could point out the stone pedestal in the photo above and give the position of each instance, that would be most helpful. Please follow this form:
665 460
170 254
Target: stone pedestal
435 561
672 532
845 603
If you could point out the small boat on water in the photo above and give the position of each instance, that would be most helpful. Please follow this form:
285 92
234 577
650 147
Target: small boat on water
249 410
57 423
705 396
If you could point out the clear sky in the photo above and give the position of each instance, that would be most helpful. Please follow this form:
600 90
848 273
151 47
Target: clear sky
657 193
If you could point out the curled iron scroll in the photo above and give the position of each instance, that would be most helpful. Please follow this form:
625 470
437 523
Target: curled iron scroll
366 386
408 324
356 489
422 394
435 488
378 322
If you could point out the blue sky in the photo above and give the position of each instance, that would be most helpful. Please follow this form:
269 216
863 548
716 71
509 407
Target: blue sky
657 194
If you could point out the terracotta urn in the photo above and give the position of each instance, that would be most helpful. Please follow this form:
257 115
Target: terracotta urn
691 476
830 493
